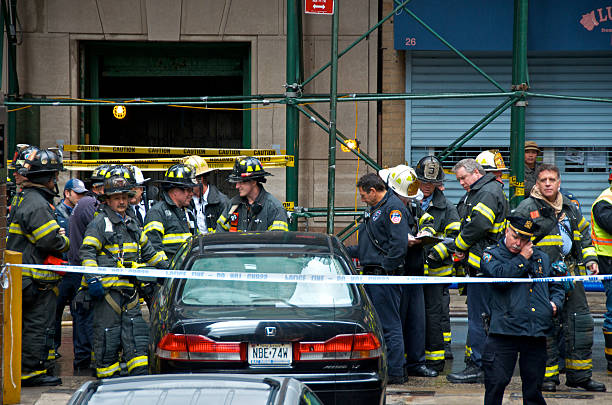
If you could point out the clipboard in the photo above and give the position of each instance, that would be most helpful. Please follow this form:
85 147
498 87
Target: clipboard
429 240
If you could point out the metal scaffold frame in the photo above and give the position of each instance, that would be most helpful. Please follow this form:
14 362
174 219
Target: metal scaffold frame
297 102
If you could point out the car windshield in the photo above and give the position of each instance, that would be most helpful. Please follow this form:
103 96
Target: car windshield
257 293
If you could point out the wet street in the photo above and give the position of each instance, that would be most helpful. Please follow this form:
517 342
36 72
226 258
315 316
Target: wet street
416 391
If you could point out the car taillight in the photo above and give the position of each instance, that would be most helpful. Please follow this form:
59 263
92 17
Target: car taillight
341 347
197 347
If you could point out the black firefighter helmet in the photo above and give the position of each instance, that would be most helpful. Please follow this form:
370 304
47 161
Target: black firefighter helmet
179 175
248 168
429 170
118 179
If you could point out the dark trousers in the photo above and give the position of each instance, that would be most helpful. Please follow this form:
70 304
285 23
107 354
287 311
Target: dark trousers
446 326
477 305
38 315
498 361
413 323
386 300
81 320
434 338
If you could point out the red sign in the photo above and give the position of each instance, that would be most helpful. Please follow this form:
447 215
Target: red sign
319 7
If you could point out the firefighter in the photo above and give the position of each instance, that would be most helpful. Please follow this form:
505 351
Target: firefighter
35 233
439 262
601 223
209 203
21 151
253 209
169 222
492 161
565 236
483 212
113 239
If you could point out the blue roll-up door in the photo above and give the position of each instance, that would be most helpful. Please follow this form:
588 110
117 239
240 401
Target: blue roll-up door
577 136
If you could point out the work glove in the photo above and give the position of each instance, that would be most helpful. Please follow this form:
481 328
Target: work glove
560 269
95 288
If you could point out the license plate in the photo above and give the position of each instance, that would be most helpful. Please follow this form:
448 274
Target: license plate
270 354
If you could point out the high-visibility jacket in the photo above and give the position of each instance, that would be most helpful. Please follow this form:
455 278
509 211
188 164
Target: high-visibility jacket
600 223
167 226
445 224
34 232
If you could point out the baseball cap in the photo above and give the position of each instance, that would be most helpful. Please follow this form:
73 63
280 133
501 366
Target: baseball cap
75 185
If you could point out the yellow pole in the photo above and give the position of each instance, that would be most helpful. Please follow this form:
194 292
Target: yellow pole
11 324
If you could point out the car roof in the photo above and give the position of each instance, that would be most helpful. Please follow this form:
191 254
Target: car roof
311 241
180 389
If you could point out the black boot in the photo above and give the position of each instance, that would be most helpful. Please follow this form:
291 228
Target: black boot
422 371
608 342
471 375
41 381
589 385
549 386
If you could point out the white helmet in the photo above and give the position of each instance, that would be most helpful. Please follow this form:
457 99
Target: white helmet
492 161
198 163
403 180
138 176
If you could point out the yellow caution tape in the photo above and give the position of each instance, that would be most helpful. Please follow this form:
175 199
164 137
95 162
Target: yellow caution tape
289 205
154 150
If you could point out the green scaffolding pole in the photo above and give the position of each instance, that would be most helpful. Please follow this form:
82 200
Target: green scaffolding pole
292 135
517 121
333 91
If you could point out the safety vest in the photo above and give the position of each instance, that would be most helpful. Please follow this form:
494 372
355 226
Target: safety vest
602 240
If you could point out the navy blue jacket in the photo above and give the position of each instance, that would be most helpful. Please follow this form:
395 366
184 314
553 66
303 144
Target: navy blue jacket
521 309
82 215
62 213
388 226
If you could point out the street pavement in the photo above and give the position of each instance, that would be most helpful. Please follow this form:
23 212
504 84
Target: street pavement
416 391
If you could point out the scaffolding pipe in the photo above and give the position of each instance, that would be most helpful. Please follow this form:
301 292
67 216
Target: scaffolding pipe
291 114
517 120
450 149
333 92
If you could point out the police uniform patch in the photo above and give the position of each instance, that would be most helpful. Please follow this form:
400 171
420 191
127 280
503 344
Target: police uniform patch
395 216
376 215
486 257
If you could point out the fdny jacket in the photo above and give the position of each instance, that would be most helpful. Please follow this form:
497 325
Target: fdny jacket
552 242
521 309
168 226
216 204
34 232
265 214
111 241
483 213
446 225
385 226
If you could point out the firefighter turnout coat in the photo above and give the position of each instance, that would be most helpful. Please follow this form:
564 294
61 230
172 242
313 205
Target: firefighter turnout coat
265 214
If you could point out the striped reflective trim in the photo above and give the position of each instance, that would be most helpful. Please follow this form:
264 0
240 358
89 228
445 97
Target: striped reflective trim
114 281
89 263
435 355
51 355
551 371
425 217
578 364
460 243
15 228
143 238
171 238
33 374
429 229
498 227
154 226
441 250
223 222
279 226
45 229
608 351
453 226
468 351
551 240
486 211
107 371
92 241
158 257
589 252
474 260
576 235
138 361
447 336
583 224
601 241
443 271
43 275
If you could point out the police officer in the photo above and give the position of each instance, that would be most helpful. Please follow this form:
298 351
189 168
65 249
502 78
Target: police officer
483 212
35 233
520 314
113 239
253 209
565 236
209 203
169 222
383 239
601 221
439 263
532 150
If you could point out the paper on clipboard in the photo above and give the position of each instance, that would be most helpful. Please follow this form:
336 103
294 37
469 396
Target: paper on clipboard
429 240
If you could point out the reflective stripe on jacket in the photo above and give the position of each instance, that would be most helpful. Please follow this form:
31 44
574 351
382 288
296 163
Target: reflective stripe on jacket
602 239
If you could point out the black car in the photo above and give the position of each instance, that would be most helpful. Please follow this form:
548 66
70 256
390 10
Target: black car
194 389
325 335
